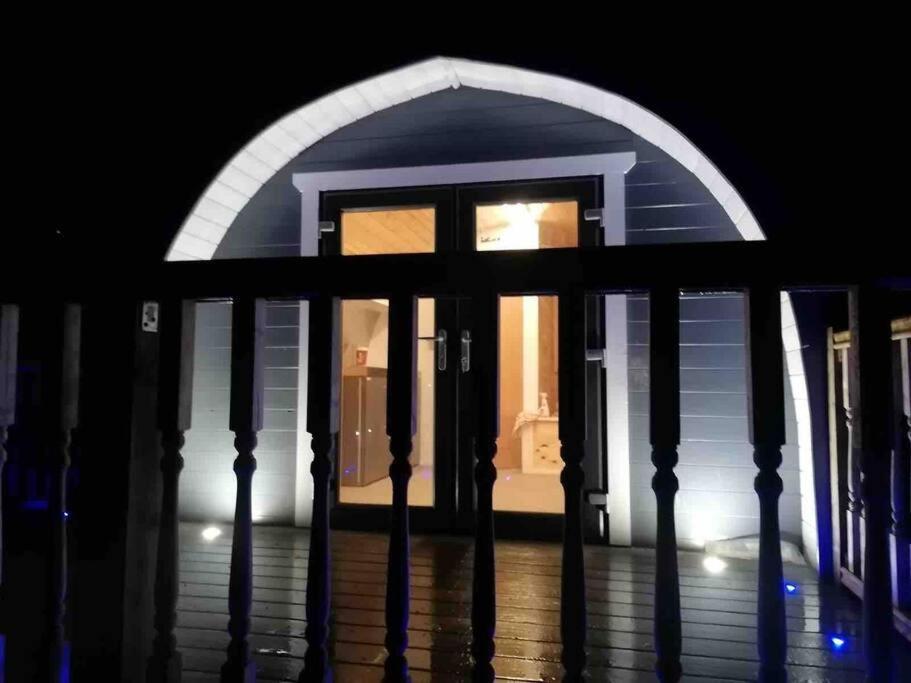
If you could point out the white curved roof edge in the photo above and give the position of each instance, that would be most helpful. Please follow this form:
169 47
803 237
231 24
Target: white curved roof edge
255 164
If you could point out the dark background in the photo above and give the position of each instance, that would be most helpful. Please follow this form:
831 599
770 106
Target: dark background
131 125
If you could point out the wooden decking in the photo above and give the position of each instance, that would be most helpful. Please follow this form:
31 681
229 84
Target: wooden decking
718 611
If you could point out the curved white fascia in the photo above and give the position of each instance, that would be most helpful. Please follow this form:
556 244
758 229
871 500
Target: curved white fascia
259 160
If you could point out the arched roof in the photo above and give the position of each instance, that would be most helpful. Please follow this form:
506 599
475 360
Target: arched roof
269 151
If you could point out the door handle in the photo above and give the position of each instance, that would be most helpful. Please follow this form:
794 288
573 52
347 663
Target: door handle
466 350
440 341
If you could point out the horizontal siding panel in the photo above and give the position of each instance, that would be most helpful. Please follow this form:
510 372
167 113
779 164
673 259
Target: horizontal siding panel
260 251
214 420
727 381
696 332
695 404
682 235
714 479
706 453
218 314
223 441
699 308
275 399
273 358
720 503
502 124
672 215
732 429
695 357
678 190
220 337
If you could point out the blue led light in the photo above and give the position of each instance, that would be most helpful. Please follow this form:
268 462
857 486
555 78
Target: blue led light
838 642
791 588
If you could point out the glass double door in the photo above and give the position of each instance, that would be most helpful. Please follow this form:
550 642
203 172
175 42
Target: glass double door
528 497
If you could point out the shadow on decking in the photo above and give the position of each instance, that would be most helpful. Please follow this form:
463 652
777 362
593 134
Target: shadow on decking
719 633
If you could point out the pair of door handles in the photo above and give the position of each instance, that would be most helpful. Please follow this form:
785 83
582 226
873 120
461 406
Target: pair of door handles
465 347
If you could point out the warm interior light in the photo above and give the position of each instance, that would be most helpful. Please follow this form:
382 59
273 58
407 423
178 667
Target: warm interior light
713 564
211 533
511 226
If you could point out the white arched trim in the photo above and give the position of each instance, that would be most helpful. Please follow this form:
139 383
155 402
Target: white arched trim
256 163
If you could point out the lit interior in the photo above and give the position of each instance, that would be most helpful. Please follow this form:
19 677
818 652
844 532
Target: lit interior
528 449
364 455
409 230
714 565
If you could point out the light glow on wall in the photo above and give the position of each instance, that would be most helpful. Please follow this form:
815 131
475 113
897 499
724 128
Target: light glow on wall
211 533
714 565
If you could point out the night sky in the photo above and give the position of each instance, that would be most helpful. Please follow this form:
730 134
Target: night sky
133 127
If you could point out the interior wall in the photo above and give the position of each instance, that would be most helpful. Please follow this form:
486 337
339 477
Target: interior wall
509 446
426 361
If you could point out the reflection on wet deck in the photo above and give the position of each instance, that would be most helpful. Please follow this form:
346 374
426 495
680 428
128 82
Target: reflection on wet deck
718 612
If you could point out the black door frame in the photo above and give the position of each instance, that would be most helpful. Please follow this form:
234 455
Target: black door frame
376 517
587 192
454 491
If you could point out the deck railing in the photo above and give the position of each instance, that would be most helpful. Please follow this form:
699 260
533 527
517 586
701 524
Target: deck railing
846 458
49 337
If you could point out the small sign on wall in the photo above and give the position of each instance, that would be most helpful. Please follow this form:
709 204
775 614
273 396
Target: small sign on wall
150 316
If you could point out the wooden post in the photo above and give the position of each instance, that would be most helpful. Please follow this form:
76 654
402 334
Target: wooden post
9 342
175 402
572 414
322 423
837 461
60 356
664 429
400 426
765 394
855 509
901 473
871 385
485 360
248 322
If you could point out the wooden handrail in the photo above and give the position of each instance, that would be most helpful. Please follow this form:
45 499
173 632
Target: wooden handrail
901 329
718 266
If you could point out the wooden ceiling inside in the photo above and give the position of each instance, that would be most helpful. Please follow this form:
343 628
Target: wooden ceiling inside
388 231
411 230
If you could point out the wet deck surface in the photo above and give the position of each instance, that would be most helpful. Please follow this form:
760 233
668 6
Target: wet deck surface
718 612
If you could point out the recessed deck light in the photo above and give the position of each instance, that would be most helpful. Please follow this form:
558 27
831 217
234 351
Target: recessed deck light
210 533
791 588
838 642
714 565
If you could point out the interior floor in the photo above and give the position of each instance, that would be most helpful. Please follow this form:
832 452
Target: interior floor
379 492
514 490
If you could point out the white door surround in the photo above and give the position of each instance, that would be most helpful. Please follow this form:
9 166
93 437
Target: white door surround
611 168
